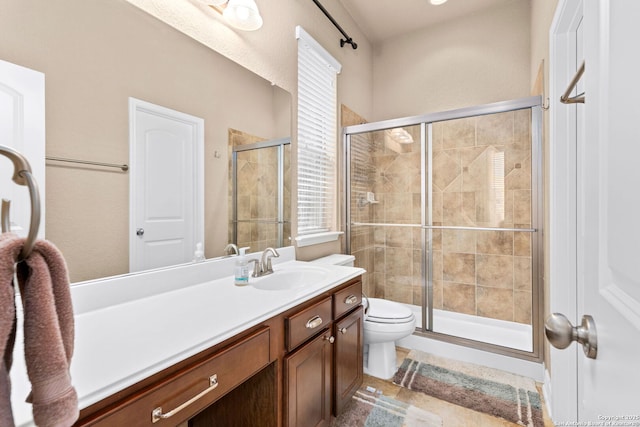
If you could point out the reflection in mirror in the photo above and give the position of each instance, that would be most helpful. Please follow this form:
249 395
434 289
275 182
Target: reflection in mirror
260 191
95 55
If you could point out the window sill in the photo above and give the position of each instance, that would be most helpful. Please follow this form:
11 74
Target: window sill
314 239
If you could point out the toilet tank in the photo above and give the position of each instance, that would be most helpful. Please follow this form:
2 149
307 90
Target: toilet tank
336 259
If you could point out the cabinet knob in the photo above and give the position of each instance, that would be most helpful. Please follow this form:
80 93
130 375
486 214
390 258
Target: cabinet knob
343 330
331 339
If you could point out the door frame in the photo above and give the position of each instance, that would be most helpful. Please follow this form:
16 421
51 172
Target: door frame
26 87
561 387
136 105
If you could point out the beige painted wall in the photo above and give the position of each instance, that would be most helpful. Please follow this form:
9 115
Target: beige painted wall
272 53
477 59
95 55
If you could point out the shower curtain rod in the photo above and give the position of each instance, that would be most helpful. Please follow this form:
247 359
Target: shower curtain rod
346 39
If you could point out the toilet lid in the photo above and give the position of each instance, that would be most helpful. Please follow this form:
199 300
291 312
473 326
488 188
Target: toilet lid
383 311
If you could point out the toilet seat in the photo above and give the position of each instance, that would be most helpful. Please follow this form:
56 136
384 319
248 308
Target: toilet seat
383 311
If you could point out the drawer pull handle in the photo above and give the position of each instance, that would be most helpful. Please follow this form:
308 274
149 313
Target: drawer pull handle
314 322
343 330
157 415
331 339
351 299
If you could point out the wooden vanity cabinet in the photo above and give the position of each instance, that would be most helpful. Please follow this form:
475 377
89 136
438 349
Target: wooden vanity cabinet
295 369
322 375
183 394
308 383
348 363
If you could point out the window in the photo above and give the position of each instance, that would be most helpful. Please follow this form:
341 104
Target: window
317 136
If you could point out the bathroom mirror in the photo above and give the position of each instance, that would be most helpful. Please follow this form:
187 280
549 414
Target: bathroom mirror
95 55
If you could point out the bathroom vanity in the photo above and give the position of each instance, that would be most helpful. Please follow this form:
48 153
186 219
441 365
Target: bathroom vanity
172 350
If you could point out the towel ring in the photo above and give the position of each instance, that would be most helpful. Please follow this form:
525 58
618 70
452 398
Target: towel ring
22 176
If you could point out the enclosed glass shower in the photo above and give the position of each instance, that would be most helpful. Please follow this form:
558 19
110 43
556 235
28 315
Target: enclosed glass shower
444 213
260 192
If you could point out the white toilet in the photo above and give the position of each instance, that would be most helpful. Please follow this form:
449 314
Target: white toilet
385 323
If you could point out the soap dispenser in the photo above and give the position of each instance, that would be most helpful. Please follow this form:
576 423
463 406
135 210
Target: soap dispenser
241 275
198 255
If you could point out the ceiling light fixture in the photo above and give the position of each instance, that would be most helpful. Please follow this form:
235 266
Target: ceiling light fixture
241 14
437 2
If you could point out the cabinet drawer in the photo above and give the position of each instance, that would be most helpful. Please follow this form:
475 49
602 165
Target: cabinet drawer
307 323
202 384
347 299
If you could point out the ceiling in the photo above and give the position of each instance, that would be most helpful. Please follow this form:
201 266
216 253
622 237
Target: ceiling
380 21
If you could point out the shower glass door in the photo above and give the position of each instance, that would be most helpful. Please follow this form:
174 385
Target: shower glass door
443 212
260 195
481 227
385 195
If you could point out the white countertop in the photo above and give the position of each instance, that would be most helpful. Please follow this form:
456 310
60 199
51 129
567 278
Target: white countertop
130 327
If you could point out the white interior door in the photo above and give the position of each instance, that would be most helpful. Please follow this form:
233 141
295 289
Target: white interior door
595 243
166 186
608 213
22 127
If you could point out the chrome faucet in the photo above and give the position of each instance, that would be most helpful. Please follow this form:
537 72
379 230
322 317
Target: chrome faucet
264 267
231 249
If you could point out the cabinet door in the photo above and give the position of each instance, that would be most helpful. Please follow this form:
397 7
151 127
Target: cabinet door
348 358
308 384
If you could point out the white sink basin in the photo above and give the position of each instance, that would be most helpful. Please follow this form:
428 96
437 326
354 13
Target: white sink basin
289 278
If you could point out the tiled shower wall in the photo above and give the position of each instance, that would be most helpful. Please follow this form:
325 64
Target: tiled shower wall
481 178
258 193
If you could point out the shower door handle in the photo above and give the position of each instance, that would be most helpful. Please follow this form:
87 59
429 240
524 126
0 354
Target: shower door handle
561 333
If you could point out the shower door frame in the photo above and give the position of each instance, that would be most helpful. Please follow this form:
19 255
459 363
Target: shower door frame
426 141
280 220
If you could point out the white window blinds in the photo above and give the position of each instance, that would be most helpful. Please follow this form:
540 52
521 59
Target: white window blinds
317 135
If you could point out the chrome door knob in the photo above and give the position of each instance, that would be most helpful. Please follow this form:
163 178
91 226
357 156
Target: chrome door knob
140 232
561 333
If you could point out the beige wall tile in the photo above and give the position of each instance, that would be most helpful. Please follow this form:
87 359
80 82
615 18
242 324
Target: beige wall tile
460 268
522 207
522 279
399 288
522 307
398 237
437 134
436 235
495 303
397 207
445 169
522 127
459 297
495 129
459 133
495 242
495 271
398 261
519 177
379 286
469 213
463 241
436 210
522 244
452 208
417 295
437 265
437 294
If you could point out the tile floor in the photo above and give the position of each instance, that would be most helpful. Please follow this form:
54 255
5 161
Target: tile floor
452 415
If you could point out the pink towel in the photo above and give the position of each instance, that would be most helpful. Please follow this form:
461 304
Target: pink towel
48 331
